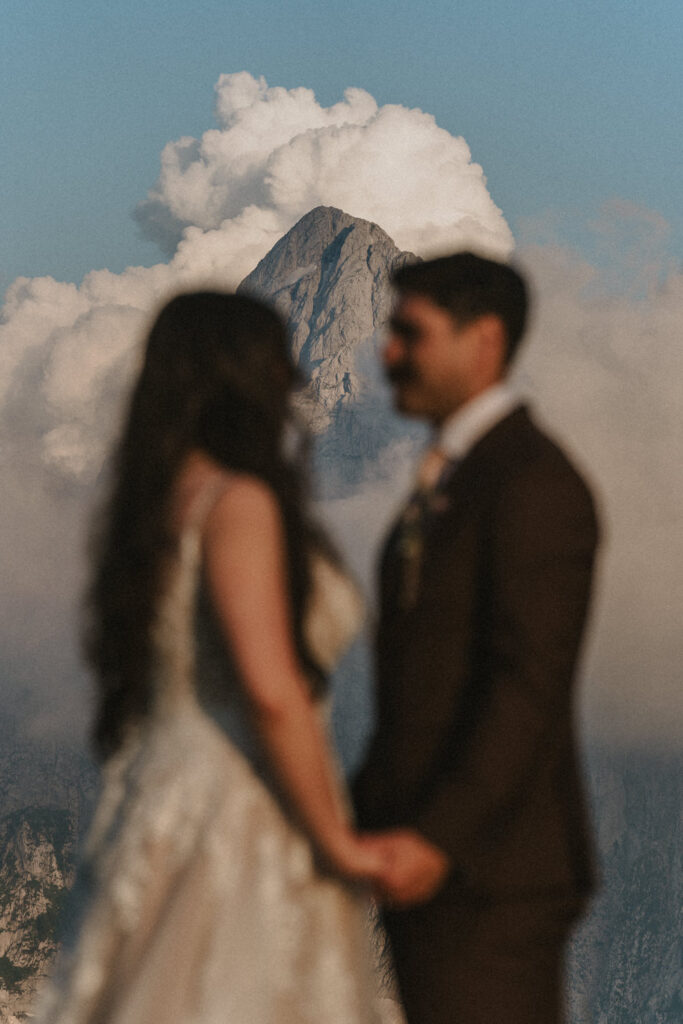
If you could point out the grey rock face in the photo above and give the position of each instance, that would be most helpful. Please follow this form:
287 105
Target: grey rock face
329 277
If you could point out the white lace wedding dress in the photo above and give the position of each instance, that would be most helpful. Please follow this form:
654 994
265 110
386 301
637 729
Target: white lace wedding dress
199 901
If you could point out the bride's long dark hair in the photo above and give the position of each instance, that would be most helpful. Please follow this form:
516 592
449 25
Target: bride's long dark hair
216 377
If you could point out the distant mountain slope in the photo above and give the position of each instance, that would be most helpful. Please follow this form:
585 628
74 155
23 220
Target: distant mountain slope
626 963
46 792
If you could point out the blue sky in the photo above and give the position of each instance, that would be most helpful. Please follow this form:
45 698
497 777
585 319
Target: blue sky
564 106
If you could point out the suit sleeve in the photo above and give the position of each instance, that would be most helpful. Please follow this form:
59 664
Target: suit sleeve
538 564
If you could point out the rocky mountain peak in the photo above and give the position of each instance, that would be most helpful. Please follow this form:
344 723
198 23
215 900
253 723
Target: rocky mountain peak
326 260
329 276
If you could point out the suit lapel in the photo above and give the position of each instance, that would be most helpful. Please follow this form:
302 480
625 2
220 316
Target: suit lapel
472 475
482 463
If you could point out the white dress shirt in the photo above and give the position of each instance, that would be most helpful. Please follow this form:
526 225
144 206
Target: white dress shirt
468 424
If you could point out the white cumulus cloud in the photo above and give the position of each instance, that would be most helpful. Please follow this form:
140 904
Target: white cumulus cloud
221 202
604 365
277 153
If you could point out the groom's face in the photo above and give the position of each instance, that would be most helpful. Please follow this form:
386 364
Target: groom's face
430 360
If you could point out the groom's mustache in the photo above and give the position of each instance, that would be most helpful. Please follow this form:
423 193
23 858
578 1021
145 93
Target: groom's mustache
400 373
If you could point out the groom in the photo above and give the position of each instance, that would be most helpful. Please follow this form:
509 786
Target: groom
485 583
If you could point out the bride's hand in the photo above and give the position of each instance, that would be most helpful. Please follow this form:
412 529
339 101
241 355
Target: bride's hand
414 868
360 857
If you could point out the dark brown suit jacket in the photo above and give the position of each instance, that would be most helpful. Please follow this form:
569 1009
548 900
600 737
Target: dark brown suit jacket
474 743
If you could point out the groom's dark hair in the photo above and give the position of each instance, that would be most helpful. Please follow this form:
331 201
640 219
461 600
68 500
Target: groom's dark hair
469 286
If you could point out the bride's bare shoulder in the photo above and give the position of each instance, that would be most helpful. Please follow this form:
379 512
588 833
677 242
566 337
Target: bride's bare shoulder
218 497
245 501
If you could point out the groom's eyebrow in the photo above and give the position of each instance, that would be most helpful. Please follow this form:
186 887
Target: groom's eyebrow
404 328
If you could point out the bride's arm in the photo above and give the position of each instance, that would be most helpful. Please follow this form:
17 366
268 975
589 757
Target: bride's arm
246 568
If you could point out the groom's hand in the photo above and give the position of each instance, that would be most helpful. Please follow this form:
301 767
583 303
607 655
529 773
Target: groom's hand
415 869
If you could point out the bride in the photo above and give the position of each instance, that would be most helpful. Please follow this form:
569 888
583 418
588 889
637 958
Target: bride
222 881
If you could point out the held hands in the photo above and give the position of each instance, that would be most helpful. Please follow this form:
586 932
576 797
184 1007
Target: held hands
403 866
416 868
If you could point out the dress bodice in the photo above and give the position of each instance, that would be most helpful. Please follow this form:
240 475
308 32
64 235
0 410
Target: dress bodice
193 655
330 622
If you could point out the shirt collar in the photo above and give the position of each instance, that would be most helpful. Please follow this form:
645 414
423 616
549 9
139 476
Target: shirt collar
468 424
